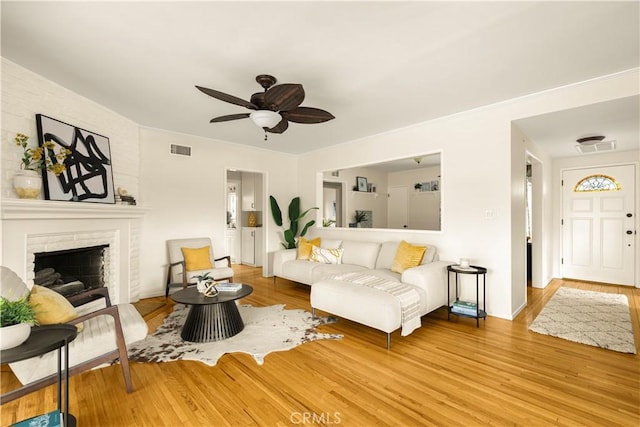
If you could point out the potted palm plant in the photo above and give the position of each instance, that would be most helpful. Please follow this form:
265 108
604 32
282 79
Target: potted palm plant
16 319
360 217
295 216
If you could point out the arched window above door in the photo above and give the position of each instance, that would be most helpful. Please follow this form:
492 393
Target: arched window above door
597 183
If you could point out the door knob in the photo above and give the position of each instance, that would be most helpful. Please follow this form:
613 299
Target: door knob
629 215
629 232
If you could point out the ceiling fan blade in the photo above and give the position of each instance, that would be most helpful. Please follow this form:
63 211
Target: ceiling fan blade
226 97
229 117
307 115
280 127
284 97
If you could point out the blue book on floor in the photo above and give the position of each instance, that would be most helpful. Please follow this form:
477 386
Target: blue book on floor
50 419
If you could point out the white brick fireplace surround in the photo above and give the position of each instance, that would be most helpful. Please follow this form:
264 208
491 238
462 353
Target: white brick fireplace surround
32 226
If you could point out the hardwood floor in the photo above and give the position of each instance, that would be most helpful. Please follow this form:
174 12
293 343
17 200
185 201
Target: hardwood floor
445 373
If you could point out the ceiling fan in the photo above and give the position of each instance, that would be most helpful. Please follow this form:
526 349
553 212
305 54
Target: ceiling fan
274 108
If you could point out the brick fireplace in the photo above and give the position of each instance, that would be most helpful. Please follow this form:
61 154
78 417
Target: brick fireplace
39 226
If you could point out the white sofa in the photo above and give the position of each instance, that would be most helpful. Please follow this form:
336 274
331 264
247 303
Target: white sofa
365 305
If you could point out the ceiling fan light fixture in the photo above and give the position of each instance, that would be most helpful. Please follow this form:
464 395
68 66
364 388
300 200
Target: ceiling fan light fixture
265 118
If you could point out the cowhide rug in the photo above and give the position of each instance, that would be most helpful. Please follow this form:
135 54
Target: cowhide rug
266 329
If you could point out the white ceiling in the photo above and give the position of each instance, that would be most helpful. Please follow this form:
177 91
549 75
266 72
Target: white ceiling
617 120
376 66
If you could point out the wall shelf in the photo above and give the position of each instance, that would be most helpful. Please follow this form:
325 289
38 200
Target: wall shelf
369 193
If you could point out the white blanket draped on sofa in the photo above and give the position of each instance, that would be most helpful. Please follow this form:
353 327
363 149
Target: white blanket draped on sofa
408 297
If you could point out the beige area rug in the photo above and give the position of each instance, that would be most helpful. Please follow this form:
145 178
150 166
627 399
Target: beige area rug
593 318
267 329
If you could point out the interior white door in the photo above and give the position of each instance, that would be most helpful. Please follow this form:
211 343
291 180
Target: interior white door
397 207
598 226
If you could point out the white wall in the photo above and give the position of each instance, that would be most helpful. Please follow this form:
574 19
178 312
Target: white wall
482 185
188 199
25 94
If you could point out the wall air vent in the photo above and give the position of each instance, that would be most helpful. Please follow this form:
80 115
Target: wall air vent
181 150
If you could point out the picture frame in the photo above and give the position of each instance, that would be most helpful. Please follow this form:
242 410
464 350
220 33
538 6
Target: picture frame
88 174
361 183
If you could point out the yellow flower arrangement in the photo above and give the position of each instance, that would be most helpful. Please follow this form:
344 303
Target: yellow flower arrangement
32 158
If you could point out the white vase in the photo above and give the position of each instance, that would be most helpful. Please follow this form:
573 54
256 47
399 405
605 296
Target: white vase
201 285
14 335
27 184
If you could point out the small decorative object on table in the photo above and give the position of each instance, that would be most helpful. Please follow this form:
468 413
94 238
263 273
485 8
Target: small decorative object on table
211 290
27 182
124 198
16 318
206 284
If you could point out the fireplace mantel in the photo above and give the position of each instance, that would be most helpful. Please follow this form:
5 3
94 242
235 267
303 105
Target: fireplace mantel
45 209
35 226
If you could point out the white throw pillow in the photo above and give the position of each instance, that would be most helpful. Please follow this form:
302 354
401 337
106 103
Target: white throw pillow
387 254
360 253
326 256
331 243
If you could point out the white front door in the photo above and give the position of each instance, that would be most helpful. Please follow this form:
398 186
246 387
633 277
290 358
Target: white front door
397 207
598 225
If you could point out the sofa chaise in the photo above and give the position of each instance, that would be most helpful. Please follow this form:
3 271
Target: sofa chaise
360 284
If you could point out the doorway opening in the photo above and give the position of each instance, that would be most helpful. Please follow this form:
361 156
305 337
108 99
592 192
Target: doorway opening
246 210
534 222
332 215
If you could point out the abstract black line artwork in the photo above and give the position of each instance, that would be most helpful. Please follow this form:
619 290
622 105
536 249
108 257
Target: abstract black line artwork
87 175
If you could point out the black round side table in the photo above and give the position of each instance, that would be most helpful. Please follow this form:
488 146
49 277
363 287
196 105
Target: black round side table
44 339
211 318
462 308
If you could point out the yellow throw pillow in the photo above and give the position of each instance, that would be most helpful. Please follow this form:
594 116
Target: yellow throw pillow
304 247
197 258
51 307
407 256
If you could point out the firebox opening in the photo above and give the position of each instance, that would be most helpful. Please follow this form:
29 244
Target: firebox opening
71 271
